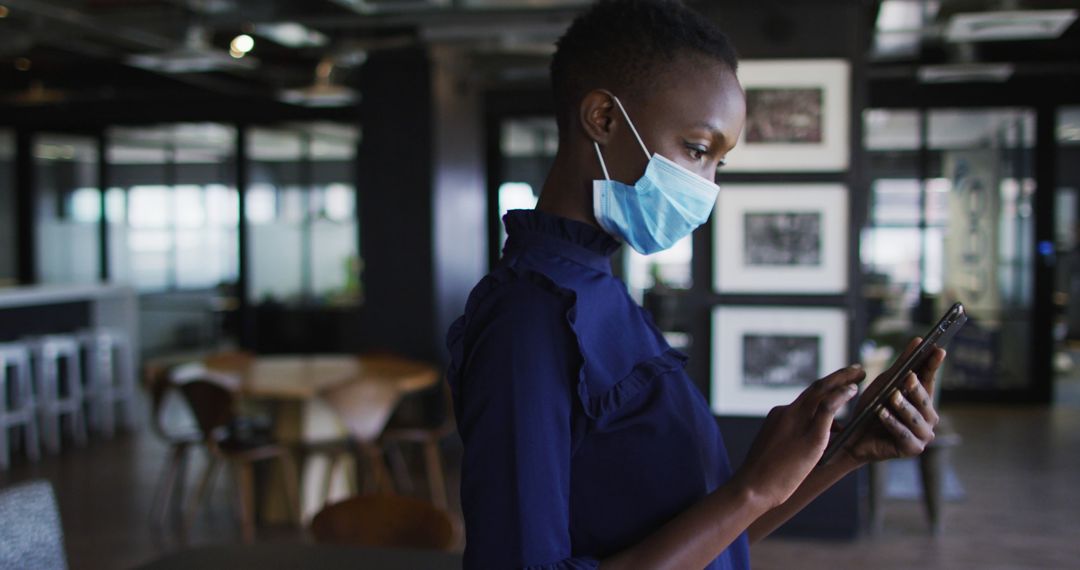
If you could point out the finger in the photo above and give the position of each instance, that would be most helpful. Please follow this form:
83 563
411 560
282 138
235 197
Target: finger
831 404
820 388
929 370
905 441
921 399
909 415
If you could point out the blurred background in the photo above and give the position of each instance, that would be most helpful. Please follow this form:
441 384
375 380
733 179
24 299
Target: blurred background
290 201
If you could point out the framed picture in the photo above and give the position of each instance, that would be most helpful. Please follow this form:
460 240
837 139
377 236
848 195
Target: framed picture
797 114
766 356
790 238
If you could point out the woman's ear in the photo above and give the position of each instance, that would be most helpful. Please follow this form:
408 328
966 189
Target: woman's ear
597 115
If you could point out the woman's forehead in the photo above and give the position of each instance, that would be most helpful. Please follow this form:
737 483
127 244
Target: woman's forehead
697 95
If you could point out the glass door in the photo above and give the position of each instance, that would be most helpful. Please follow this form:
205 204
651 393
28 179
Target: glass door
1067 247
951 219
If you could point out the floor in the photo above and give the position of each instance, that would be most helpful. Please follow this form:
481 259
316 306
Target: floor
1020 468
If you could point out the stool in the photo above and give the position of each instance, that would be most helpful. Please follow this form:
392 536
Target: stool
59 388
932 465
17 405
110 379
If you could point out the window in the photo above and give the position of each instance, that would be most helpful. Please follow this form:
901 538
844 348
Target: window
301 211
173 210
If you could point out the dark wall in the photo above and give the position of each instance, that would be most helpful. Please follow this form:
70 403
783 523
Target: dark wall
394 177
7 220
458 192
789 30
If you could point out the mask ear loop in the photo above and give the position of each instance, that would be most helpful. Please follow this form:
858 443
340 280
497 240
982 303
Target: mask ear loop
632 129
601 157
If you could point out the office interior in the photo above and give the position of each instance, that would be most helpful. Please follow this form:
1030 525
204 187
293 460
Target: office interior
312 189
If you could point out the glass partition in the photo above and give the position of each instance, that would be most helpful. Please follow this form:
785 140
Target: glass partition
950 219
172 207
172 210
68 209
1067 247
8 243
301 211
983 162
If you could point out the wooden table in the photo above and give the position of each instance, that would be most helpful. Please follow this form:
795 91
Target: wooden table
297 388
295 383
271 556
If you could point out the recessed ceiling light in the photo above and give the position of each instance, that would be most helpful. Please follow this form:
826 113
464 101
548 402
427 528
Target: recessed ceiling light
1009 25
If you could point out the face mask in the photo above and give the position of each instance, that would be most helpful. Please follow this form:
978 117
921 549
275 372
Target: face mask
664 206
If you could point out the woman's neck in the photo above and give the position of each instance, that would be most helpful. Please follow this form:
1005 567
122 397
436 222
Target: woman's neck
567 191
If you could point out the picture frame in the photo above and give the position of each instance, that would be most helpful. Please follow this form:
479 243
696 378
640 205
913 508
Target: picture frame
764 357
781 238
797 116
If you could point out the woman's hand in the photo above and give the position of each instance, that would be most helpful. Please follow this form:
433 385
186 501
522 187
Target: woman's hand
906 424
794 437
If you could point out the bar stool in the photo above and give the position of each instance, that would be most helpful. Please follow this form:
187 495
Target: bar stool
110 379
59 388
17 405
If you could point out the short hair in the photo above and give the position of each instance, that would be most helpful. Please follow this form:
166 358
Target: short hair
623 45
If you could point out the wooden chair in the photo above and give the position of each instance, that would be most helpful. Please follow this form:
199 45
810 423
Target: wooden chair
355 406
391 521
213 407
169 493
428 437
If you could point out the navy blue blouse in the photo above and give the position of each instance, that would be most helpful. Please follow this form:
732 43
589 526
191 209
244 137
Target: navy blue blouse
583 434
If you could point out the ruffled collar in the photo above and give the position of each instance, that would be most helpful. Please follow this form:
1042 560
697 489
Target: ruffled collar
569 238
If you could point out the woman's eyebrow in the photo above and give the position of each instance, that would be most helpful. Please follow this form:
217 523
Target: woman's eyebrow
714 130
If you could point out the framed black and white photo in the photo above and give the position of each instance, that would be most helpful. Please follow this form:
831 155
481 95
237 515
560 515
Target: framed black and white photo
791 238
765 356
797 114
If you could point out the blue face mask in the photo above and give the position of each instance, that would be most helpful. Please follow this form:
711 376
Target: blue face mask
664 206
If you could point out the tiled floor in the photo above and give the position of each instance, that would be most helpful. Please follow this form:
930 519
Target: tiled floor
1020 468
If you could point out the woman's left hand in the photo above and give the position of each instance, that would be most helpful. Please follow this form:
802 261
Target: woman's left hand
906 424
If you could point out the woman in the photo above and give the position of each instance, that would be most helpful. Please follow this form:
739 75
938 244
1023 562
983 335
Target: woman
586 444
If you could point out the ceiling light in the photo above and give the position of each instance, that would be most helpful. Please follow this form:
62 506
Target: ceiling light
37 94
966 73
291 34
323 93
241 44
1009 25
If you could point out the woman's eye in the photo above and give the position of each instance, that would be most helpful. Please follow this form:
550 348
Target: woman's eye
696 152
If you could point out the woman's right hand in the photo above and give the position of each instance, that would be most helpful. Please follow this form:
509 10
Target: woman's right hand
794 437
